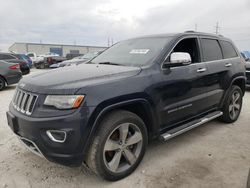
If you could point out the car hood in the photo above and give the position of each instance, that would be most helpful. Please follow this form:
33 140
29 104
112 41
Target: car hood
74 60
68 80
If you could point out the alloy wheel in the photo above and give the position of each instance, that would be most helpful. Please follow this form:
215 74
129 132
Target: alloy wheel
122 147
235 105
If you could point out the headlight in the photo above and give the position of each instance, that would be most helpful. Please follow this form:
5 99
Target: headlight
64 101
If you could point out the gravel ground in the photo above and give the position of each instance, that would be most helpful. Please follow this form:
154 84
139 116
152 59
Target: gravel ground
213 155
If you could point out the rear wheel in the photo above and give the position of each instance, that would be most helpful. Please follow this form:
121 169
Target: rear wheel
233 104
42 66
119 145
2 83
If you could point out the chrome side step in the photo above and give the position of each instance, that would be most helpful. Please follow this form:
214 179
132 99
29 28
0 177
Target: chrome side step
191 125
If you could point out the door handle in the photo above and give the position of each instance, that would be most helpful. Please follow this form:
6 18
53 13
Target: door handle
200 70
228 64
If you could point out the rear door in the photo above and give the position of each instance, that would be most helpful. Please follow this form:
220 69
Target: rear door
219 70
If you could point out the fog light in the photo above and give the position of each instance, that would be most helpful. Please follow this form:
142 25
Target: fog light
56 135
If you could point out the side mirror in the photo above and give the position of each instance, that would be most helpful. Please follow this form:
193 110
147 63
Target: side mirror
180 58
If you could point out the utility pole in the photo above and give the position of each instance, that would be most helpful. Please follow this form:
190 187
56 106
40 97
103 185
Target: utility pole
196 27
112 41
217 28
108 42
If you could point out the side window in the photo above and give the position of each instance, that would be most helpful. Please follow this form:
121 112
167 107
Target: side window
211 50
6 57
189 45
30 55
228 50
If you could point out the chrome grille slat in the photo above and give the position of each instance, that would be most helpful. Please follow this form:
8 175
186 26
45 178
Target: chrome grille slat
28 104
17 97
19 100
24 102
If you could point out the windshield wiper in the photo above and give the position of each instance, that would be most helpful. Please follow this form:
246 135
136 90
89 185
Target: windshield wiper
110 63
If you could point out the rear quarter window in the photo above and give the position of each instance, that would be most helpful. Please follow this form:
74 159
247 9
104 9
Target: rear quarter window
211 49
228 50
6 57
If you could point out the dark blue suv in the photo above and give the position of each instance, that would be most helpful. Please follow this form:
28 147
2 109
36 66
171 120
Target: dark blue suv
104 113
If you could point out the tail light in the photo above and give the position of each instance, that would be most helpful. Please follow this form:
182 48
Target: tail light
14 67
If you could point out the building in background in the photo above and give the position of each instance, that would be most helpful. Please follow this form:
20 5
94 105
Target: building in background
59 49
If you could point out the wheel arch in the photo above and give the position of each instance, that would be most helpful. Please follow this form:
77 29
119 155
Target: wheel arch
4 78
140 107
239 81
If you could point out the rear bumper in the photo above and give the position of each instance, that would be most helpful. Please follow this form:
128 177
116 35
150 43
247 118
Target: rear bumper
32 133
25 70
13 78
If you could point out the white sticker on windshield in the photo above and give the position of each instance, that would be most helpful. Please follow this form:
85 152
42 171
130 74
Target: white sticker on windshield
139 51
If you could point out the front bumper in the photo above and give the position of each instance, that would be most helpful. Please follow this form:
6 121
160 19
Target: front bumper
32 132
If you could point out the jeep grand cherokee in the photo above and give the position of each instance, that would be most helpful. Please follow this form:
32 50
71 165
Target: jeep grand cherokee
104 113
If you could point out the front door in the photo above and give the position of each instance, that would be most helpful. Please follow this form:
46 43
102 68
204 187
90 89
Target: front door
181 89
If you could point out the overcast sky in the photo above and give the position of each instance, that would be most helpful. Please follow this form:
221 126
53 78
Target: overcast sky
91 22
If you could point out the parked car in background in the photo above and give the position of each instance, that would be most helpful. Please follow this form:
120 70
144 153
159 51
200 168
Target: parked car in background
104 113
45 60
248 74
25 58
9 74
246 55
76 60
13 58
34 57
71 56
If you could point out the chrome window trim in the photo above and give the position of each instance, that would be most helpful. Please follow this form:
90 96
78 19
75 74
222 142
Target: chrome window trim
199 37
182 38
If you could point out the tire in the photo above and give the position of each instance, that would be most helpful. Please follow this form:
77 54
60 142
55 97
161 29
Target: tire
2 83
112 154
42 66
233 104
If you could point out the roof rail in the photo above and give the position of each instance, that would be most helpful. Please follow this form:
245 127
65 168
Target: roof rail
190 31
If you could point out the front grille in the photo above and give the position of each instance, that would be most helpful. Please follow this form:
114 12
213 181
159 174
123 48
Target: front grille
24 102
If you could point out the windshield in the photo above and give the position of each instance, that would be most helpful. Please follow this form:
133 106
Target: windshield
134 52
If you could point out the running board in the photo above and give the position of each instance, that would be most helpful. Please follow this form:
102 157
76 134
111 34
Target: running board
191 125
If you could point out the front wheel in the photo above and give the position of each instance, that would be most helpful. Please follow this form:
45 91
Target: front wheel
233 104
119 145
